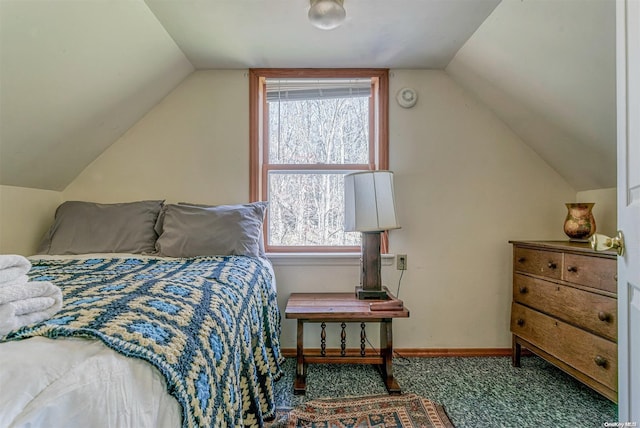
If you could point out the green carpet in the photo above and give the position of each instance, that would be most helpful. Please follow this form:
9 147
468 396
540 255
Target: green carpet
476 392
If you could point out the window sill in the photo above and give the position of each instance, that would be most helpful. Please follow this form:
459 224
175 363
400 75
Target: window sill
322 259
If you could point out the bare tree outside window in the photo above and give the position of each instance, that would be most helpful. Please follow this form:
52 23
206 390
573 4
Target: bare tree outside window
310 128
306 207
320 131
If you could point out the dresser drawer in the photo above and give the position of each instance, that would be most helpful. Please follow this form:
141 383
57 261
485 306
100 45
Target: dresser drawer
591 311
537 262
590 271
590 354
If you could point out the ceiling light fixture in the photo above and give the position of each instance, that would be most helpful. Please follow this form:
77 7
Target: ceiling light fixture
327 14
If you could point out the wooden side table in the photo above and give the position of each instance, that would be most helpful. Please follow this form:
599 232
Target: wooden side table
342 308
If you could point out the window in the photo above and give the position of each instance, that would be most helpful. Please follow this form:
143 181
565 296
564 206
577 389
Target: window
308 128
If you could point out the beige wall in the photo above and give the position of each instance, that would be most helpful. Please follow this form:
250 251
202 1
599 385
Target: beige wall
465 186
25 215
605 210
193 146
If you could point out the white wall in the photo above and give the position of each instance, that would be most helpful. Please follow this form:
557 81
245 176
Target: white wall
465 186
25 215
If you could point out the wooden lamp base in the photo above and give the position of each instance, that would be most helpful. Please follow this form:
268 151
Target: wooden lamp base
363 294
370 278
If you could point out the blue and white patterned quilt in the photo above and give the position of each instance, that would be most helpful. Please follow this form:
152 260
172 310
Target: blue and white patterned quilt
211 325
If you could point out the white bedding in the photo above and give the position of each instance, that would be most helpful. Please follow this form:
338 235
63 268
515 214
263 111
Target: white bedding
53 383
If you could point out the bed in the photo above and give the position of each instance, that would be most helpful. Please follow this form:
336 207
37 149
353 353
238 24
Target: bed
173 334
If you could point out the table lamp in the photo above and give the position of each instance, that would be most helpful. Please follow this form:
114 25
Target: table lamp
370 209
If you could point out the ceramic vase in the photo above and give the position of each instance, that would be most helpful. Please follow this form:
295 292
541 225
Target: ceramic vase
579 224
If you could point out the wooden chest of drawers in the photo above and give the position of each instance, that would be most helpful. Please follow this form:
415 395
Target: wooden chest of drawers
565 309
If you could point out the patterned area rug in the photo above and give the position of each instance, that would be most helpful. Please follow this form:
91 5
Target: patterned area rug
401 411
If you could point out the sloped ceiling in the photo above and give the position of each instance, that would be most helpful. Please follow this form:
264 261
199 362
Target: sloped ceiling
547 69
277 33
75 75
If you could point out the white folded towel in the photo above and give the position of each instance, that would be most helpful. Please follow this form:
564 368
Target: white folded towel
29 291
13 266
17 282
28 304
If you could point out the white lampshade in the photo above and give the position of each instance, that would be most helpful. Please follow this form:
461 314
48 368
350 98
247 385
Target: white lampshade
326 14
369 202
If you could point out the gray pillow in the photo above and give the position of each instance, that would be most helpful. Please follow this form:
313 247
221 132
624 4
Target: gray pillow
189 230
88 227
261 250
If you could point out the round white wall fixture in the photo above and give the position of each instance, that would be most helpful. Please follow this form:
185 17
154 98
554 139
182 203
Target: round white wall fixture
407 97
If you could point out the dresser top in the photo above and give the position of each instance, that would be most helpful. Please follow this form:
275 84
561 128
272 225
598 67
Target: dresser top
567 246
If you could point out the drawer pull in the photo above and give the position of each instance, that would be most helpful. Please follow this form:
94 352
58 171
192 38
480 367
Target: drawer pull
572 269
523 289
603 316
600 361
615 277
520 322
552 265
521 260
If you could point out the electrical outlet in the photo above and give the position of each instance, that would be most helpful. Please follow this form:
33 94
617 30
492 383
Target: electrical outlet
401 261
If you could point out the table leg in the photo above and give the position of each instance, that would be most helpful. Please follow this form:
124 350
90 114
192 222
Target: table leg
300 383
516 352
386 349
323 339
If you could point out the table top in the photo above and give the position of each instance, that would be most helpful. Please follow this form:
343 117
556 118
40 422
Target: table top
340 306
